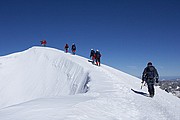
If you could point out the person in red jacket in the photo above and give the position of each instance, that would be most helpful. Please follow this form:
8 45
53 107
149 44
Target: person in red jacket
43 43
97 57
66 47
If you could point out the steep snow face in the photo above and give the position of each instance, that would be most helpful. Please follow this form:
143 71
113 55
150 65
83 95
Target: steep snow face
39 72
50 80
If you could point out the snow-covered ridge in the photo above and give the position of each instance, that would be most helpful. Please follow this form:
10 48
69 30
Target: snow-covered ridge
39 72
43 83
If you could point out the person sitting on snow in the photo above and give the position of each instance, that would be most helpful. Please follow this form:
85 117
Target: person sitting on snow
43 43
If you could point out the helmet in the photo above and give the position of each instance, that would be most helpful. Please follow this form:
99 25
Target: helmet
97 50
149 63
91 49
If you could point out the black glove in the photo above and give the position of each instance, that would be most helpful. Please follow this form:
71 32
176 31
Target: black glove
157 80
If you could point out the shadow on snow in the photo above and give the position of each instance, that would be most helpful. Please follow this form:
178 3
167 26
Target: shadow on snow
141 93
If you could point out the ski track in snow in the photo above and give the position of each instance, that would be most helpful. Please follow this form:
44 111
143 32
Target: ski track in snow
58 94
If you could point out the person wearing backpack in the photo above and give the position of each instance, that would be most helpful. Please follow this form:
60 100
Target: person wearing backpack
92 55
98 56
73 48
150 76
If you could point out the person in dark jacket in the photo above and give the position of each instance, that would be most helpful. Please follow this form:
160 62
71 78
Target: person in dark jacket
150 76
92 55
97 57
66 47
73 48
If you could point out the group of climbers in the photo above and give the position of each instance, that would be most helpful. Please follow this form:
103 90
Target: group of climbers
95 56
149 77
66 47
73 48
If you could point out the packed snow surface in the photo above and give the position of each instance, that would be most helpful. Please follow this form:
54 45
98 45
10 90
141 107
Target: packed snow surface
47 84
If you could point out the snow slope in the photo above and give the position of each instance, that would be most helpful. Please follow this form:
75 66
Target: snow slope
48 84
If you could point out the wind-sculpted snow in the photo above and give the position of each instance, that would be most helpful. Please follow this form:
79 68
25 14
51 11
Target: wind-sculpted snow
48 84
38 73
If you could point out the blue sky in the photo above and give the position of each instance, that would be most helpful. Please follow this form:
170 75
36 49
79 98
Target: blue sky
129 33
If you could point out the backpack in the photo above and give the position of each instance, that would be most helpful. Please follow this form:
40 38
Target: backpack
150 72
98 55
73 47
92 53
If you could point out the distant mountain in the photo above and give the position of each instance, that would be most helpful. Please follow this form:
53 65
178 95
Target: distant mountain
169 78
171 86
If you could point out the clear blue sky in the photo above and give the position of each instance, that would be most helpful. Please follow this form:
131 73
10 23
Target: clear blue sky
129 33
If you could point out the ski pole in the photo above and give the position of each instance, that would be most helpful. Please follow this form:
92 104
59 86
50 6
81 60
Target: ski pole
142 85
